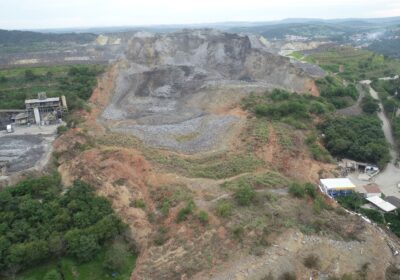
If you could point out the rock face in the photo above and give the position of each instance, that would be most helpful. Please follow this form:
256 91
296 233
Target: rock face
164 74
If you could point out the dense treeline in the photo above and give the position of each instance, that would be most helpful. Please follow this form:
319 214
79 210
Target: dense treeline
15 37
38 223
360 138
335 92
79 84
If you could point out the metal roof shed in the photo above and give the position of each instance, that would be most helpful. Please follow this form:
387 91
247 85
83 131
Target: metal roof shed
381 204
338 184
337 187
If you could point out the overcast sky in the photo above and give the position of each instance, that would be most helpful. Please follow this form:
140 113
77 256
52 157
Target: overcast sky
33 14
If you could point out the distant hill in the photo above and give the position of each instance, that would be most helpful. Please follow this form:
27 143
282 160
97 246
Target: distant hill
14 37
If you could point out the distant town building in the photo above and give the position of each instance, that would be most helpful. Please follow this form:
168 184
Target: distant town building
45 110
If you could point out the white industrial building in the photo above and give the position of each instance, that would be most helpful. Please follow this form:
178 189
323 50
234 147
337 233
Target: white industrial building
337 187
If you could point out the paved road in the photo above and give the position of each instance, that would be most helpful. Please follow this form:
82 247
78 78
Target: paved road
390 177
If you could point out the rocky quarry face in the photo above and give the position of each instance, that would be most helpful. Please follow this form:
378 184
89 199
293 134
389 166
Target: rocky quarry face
174 90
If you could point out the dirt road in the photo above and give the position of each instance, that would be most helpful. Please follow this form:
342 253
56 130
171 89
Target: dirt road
390 177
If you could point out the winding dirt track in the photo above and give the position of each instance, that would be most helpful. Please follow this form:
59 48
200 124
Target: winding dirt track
390 177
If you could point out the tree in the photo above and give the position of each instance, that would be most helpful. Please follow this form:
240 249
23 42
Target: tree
82 246
115 258
369 105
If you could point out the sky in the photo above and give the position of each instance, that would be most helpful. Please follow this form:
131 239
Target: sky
44 14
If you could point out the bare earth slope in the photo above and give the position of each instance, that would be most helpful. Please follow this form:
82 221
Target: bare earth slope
165 76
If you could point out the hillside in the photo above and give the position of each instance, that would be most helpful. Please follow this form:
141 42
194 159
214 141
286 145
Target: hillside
242 211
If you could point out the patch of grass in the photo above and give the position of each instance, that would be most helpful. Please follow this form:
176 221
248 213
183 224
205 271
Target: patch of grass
224 208
265 180
138 203
186 137
203 217
260 131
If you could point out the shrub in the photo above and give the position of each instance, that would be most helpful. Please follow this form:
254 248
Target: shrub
203 217
161 236
297 190
139 203
185 212
310 190
244 194
61 129
166 205
224 208
369 105
238 232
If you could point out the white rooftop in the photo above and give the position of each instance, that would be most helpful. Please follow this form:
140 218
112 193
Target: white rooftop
338 184
380 203
50 99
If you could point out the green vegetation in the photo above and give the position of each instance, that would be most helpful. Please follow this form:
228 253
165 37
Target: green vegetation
217 166
258 181
224 208
76 82
185 212
139 203
244 194
360 138
113 259
297 55
391 102
333 90
38 224
355 64
203 217
301 190
295 109
355 202
370 105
